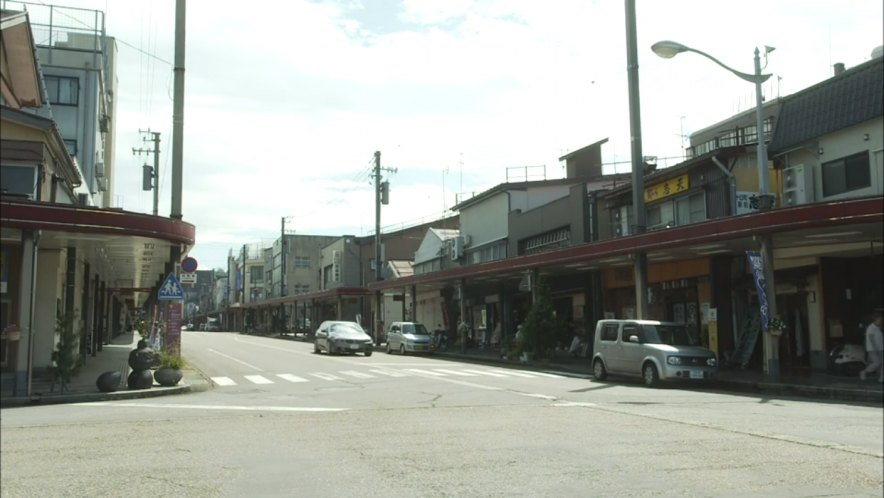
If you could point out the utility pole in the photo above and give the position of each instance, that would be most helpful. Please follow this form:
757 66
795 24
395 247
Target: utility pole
381 196
151 176
282 274
640 258
178 112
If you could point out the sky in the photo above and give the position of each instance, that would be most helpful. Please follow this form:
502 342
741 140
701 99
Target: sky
286 101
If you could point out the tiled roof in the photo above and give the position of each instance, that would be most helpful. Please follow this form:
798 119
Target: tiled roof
850 98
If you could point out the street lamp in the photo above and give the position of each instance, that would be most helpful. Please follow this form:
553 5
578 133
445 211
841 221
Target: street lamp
668 49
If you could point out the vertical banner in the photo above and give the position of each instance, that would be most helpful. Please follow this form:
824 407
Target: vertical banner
756 261
172 339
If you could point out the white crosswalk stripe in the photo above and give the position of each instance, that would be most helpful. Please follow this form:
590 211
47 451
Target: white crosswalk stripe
390 373
549 375
292 378
426 372
223 381
454 372
514 373
358 375
326 376
258 379
485 372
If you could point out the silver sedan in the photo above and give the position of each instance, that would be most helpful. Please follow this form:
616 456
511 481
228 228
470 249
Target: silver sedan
335 336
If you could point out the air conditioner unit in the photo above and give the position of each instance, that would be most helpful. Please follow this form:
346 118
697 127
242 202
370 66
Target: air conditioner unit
466 239
797 185
457 248
99 169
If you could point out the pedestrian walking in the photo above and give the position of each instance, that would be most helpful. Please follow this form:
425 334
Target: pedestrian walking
874 349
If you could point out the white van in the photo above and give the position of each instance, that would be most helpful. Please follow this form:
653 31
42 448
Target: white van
655 351
408 337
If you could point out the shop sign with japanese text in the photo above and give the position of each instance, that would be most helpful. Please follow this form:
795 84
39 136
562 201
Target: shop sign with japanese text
666 188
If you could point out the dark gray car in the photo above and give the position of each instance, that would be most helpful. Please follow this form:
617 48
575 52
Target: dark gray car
337 337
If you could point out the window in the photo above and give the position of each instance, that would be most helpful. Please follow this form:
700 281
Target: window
661 215
64 91
691 209
302 261
546 241
256 273
846 174
609 333
302 288
71 146
489 253
19 180
631 330
685 210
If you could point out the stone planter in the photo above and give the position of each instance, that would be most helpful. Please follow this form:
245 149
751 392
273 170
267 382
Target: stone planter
167 376
775 332
140 379
14 335
109 382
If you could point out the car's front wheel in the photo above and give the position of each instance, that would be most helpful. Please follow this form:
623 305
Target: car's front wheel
389 351
315 348
650 375
598 369
368 352
402 349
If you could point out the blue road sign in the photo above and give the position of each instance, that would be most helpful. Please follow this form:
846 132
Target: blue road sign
171 290
188 265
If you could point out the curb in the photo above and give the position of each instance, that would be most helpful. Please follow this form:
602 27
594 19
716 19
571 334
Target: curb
196 381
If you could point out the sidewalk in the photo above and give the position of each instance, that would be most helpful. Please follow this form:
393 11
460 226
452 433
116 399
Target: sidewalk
821 386
115 357
82 388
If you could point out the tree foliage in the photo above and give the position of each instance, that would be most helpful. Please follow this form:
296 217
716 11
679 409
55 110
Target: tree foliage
540 326
66 349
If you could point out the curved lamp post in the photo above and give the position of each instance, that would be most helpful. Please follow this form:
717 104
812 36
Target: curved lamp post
668 49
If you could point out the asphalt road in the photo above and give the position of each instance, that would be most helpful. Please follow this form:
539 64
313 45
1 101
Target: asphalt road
283 421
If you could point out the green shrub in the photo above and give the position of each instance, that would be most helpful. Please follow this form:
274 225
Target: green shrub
66 355
169 360
540 327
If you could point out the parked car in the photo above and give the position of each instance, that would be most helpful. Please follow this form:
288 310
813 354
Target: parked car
408 337
655 351
336 336
213 325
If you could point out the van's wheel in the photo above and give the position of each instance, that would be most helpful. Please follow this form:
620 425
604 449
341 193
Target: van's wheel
650 375
402 349
389 351
315 348
368 353
598 370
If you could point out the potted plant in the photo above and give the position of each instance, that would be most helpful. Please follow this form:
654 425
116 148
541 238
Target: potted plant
169 373
11 332
776 326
